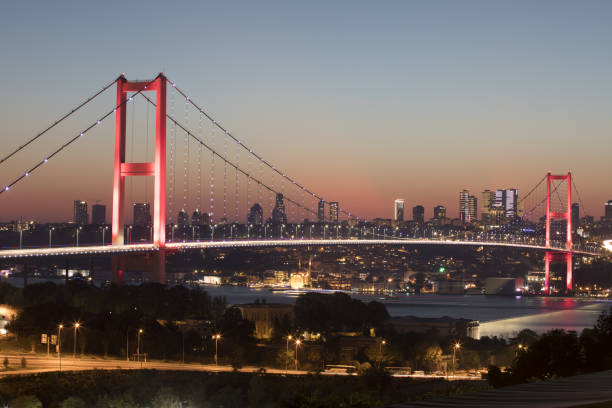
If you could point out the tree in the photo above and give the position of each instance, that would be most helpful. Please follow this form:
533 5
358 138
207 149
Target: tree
470 360
73 402
429 357
26 401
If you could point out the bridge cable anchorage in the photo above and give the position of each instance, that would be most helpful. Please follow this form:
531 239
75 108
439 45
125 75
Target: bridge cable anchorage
214 153
250 151
69 142
57 122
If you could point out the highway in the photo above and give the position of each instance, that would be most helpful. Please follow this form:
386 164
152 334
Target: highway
40 363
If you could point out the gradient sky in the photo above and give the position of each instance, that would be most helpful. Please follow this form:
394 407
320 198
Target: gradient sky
364 102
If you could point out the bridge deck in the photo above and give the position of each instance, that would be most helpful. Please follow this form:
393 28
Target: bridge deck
140 248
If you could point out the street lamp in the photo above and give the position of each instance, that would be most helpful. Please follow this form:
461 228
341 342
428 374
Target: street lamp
173 228
138 344
382 343
289 337
103 233
20 237
130 234
50 231
217 337
76 327
456 347
297 344
77 235
59 344
311 227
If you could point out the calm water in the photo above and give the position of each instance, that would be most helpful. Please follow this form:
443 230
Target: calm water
498 316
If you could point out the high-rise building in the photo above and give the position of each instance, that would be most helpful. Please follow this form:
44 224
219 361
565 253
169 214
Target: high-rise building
182 219
142 215
278 212
398 214
205 219
608 210
468 205
80 213
439 212
488 199
418 213
196 218
321 211
98 214
333 212
507 199
575 215
255 216
497 215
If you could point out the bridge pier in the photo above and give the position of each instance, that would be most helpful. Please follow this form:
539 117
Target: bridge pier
550 257
152 262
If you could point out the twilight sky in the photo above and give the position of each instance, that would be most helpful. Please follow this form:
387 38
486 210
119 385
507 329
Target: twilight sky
362 101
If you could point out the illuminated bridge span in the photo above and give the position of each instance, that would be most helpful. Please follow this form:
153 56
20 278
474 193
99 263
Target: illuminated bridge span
205 177
178 246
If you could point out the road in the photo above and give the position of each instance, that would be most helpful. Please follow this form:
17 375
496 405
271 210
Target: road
40 363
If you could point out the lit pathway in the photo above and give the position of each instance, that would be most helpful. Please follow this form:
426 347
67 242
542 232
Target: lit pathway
562 392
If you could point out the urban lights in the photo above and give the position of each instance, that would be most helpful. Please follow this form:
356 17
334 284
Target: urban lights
76 326
297 344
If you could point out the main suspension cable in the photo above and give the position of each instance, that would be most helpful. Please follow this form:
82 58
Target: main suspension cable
56 123
75 138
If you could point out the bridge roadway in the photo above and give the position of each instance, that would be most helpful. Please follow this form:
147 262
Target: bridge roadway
178 246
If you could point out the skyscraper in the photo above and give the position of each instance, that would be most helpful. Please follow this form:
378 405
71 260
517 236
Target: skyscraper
98 214
80 213
418 214
255 216
439 212
278 212
182 219
467 206
321 211
333 212
608 210
488 199
398 214
507 199
196 218
575 215
142 215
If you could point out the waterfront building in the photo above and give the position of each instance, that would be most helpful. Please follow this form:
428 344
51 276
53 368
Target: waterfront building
142 215
439 212
488 200
468 205
398 212
321 211
333 212
98 214
507 199
278 212
81 217
255 216
418 214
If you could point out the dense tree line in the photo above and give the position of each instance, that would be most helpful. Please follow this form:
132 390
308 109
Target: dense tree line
559 354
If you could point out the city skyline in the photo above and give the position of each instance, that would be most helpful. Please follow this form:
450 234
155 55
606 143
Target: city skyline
470 123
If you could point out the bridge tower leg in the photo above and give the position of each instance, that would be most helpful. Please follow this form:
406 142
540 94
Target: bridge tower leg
157 169
549 256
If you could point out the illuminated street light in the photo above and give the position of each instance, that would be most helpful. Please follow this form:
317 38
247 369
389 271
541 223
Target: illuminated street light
297 344
77 235
76 327
59 344
138 344
456 347
217 337
50 232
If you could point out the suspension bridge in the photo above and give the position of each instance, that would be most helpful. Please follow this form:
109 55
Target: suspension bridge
230 184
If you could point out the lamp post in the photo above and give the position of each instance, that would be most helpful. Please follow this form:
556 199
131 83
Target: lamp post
217 337
77 235
173 228
456 347
249 231
289 337
103 234
59 344
76 327
138 344
311 227
297 344
20 237
130 234
50 232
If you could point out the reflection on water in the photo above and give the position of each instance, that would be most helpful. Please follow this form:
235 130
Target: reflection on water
498 316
